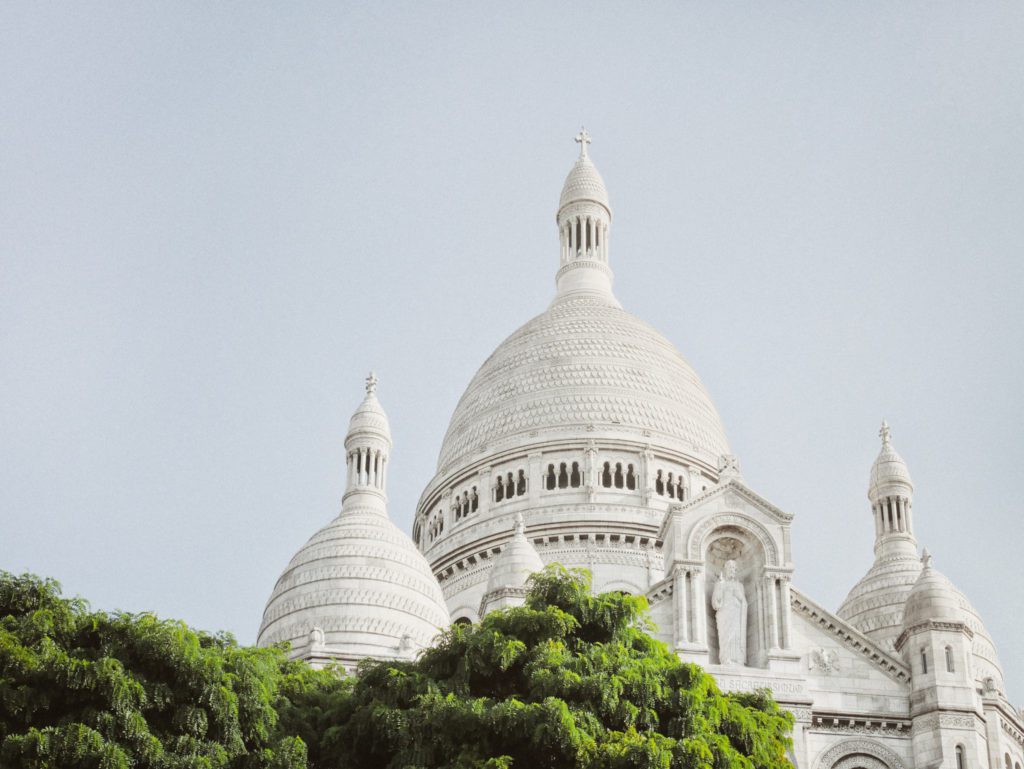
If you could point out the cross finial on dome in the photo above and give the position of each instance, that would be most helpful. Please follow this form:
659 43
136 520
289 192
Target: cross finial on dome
582 139
520 527
371 384
885 433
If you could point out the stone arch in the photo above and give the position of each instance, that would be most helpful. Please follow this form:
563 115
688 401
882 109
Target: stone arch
622 586
465 614
858 754
727 543
697 542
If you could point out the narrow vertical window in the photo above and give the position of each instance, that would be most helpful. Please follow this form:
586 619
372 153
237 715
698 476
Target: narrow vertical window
474 501
499 489
619 478
949 660
630 478
549 479
563 476
924 661
659 485
521 485
576 479
961 763
606 476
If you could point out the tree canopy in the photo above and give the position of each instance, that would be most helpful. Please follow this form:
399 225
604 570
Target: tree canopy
81 689
569 680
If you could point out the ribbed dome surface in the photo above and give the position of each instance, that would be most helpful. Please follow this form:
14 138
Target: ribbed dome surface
875 604
584 183
370 418
888 468
934 597
584 362
364 583
514 565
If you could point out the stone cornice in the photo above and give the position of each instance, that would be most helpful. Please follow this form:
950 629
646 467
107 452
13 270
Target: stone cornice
850 637
956 627
779 515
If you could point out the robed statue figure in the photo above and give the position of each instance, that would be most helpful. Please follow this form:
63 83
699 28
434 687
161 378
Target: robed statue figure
730 604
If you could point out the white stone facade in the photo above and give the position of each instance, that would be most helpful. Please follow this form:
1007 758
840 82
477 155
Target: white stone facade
586 439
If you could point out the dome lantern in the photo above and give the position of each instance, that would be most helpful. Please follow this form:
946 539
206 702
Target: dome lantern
584 219
368 448
359 587
891 493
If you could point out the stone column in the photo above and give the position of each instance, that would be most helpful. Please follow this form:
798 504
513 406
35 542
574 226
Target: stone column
772 612
534 478
700 610
679 588
591 470
785 608
646 476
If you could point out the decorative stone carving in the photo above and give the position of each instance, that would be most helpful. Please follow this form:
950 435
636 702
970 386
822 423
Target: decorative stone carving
825 660
729 601
696 543
839 756
316 635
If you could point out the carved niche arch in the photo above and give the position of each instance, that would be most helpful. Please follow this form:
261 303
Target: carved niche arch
697 541
858 754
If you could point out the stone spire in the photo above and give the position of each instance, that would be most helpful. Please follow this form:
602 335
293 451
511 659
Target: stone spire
891 493
368 448
584 219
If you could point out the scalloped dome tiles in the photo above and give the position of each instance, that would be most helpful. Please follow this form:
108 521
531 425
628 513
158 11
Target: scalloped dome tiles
580 364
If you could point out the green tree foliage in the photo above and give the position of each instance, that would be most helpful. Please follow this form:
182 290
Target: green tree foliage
569 680
82 690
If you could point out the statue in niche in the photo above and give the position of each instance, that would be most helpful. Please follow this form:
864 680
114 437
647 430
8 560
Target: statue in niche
730 604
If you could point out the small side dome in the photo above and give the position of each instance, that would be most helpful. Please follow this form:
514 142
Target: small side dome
584 182
516 562
889 468
933 597
358 588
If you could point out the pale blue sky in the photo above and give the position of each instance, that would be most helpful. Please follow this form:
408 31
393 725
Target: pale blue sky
216 218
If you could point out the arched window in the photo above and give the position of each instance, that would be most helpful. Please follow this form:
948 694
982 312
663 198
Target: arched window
463 622
563 476
630 478
961 761
620 480
458 508
671 487
679 488
924 660
474 501
949 659
659 484
499 489
510 486
549 479
1007 761
521 484
576 479
606 476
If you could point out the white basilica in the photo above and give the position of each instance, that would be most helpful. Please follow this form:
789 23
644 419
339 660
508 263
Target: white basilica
587 439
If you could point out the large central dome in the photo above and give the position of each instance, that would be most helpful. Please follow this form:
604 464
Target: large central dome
584 364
